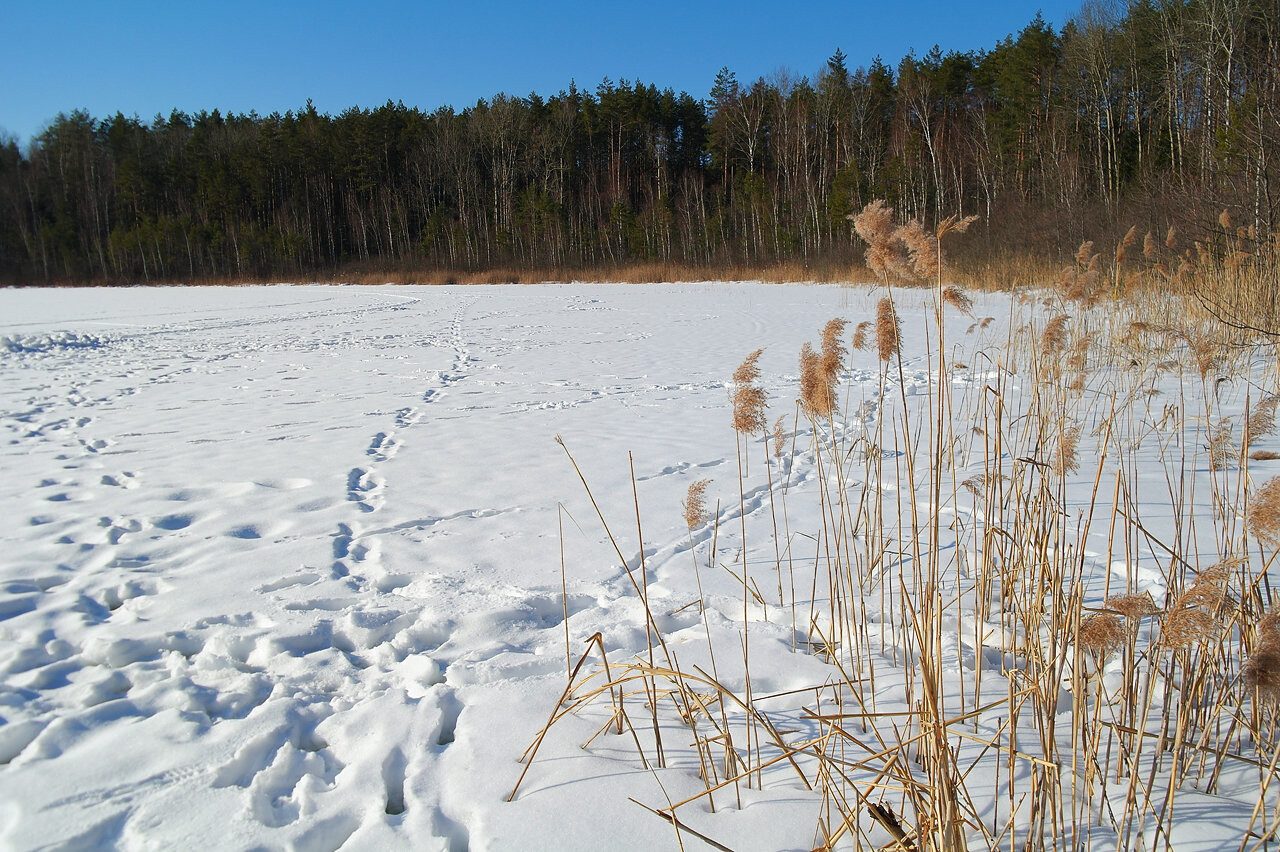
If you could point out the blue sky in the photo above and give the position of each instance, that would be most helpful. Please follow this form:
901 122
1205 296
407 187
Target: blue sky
144 57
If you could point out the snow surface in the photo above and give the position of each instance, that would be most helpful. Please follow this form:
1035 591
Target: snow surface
283 564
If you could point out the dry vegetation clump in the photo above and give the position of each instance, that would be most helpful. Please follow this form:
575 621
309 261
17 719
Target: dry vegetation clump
967 698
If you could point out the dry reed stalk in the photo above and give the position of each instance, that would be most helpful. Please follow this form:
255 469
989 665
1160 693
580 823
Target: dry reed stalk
888 329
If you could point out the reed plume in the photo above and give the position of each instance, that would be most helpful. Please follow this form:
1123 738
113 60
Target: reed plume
861 339
958 299
1150 248
817 396
922 250
1132 607
875 225
1262 420
1054 337
833 351
779 435
888 329
694 504
1263 517
1084 254
749 399
1100 634
1064 456
1262 672
1185 626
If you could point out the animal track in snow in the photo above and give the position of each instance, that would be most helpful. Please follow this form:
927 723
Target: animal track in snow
364 488
383 447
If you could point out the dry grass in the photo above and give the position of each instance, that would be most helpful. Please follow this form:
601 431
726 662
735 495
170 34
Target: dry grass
994 658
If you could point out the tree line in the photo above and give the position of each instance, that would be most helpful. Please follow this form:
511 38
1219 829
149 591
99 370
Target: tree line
1158 111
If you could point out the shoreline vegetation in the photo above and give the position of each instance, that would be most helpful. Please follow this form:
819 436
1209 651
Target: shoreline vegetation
1157 115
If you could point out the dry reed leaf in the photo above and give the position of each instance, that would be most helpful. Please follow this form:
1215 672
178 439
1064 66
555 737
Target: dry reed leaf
888 329
1100 634
1263 517
1132 607
694 504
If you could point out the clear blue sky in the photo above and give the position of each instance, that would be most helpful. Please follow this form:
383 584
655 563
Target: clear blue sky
145 57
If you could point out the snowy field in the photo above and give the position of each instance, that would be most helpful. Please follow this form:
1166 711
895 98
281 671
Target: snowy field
283 565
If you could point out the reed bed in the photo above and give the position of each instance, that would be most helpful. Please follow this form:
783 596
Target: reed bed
1019 655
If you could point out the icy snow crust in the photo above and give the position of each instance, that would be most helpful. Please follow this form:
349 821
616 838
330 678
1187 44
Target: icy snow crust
282 564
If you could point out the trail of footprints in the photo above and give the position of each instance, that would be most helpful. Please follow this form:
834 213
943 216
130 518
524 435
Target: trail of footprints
319 733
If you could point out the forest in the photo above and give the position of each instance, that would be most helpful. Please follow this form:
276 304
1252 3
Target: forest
1153 113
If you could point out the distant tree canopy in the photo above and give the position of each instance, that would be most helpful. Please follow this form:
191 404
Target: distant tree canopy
1157 110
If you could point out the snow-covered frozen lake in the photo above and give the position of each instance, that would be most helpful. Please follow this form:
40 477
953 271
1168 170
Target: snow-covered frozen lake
283 565
283 560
